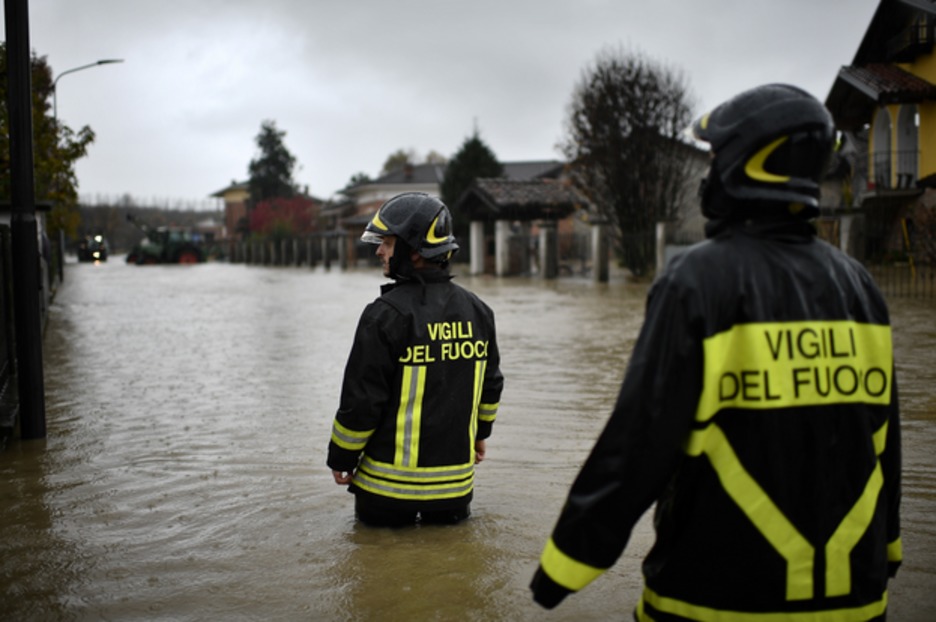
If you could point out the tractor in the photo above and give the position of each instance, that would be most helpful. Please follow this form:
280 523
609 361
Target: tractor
165 245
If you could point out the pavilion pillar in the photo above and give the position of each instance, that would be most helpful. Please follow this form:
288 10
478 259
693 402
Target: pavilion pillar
501 247
600 255
342 241
326 251
660 246
549 249
477 246
527 250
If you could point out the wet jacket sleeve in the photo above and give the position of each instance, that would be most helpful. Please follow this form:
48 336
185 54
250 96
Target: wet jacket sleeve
491 389
636 454
890 465
366 387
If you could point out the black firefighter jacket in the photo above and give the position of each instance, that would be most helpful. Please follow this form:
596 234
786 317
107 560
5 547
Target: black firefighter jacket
759 410
421 385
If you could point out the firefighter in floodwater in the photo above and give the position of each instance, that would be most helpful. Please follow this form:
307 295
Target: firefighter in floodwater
759 408
422 383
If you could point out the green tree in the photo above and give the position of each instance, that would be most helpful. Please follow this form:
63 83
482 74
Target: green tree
271 172
472 161
624 145
56 149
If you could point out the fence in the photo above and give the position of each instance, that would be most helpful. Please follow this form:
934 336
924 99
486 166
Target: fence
905 280
309 251
894 170
575 255
8 393
51 272
347 250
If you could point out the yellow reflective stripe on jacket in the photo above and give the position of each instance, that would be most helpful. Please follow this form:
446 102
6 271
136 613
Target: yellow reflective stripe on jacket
478 386
776 528
485 412
787 364
409 415
488 412
880 439
397 490
708 614
415 484
567 572
417 474
761 510
839 547
895 551
346 438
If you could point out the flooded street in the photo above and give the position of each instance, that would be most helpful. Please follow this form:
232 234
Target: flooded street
189 410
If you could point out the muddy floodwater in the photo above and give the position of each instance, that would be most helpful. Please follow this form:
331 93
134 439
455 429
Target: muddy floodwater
189 409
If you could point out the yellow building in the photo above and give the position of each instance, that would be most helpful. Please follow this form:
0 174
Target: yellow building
235 197
884 103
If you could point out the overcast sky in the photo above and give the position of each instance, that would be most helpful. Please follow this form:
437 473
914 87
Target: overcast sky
352 81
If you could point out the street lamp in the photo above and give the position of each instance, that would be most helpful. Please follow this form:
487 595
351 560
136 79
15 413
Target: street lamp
106 61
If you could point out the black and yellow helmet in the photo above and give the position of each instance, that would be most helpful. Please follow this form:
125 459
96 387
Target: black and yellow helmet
770 144
423 222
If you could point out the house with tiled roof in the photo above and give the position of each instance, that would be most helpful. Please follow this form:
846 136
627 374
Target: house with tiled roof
235 196
884 103
362 200
501 204
369 195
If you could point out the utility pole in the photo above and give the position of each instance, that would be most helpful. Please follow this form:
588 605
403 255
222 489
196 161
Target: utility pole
23 226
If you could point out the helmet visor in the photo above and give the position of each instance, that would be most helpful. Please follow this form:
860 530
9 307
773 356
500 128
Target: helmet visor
372 238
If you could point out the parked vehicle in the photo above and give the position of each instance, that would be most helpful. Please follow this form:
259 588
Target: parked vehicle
166 245
92 248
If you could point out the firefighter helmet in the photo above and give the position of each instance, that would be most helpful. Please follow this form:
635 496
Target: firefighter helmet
423 222
770 144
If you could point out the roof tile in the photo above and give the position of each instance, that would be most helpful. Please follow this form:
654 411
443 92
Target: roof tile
887 83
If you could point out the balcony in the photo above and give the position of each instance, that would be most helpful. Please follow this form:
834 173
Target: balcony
915 40
884 166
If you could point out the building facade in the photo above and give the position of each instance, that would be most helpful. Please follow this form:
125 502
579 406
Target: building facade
884 103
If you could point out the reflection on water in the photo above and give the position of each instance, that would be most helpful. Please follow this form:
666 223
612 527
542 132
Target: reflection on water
189 410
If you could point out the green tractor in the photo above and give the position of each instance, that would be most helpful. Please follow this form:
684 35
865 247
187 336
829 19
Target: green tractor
164 245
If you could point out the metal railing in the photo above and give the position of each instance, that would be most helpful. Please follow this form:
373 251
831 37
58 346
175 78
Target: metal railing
886 163
904 280
912 41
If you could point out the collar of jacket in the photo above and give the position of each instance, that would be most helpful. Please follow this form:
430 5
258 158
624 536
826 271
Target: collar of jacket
419 277
791 229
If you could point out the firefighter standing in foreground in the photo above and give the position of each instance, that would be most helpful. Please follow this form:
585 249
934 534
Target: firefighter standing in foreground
422 383
759 408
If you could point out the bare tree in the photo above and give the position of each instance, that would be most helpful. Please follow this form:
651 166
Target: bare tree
625 150
434 157
399 159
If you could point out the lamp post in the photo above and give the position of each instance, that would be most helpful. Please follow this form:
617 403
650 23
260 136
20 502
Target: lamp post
106 61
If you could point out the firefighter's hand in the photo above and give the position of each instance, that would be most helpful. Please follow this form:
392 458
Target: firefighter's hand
480 448
342 478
